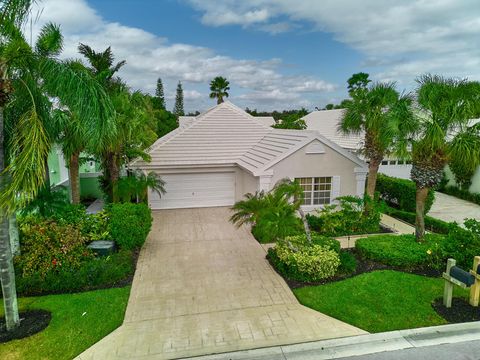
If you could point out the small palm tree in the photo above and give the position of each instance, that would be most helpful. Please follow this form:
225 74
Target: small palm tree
384 117
134 187
219 88
443 134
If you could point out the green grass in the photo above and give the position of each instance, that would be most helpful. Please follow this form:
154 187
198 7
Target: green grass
379 301
78 321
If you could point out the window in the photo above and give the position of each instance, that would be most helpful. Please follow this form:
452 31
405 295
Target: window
316 190
401 162
384 162
392 162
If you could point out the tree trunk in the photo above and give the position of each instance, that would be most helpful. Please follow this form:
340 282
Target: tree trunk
114 172
305 225
372 176
7 274
14 235
219 100
73 174
420 199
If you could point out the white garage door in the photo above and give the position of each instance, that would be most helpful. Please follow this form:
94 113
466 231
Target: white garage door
195 190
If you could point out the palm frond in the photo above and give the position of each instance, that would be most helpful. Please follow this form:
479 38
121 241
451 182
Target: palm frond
50 40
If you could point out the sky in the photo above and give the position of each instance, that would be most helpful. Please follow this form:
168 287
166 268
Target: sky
277 54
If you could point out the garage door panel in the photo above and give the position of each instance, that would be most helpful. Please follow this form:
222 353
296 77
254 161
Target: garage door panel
195 190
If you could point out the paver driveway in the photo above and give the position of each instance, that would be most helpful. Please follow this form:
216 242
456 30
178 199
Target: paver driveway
203 286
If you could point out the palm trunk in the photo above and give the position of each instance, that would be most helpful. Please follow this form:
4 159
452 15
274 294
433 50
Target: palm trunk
305 225
7 273
14 235
420 199
73 174
114 177
372 177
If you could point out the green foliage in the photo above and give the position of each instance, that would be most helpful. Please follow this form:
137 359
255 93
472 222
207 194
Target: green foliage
462 194
166 122
463 244
48 247
348 218
47 202
309 263
431 224
159 102
358 82
178 109
93 273
401 193
317 239
134 188
348 263
292 121
129 224
398 250
219 88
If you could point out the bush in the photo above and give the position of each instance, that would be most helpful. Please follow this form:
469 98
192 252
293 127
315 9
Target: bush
461 194
403 250
348 218
267 230
129 224
91 274
401 193
309 263
49 247
348 263
431 224
463 244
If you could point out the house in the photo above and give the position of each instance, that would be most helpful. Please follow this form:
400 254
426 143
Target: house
215 158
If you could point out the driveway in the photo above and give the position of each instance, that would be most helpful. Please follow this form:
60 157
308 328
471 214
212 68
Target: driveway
449 208
202 286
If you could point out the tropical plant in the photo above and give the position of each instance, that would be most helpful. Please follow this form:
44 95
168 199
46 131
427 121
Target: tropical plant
384 117
178 109
444 133
133 188
292 121
159 96
219 87
29 78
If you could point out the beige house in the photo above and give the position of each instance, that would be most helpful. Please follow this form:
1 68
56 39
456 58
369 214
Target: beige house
217 157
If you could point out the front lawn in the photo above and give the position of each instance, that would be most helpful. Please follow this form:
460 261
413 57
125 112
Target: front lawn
379 301
78 321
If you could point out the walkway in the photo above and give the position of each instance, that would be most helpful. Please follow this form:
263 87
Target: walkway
202 287
449 208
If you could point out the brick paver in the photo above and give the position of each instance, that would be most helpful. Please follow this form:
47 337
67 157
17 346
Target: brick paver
203 286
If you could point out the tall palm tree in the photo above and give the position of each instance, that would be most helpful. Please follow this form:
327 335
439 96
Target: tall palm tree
29 77
444 134
219 87
384 117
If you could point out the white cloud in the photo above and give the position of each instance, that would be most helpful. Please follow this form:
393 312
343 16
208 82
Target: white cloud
406 38
150 56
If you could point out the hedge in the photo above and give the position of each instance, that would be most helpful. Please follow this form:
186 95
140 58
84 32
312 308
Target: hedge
401 193
129 224
431 224
461 194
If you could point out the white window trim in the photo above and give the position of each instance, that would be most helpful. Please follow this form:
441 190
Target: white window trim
333 192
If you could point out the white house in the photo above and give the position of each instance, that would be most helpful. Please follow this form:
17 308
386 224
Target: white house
215 158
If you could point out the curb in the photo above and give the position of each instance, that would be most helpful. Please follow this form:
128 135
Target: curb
360 345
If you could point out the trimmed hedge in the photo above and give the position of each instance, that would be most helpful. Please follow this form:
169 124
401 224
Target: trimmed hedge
328 242
461 194
431 224
401 193
129 224
92 274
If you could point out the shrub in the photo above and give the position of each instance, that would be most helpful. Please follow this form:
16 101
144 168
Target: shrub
463 244
348 263
48 247
309 263
91 274
401 193
326 242
348 218
129 224
431 224
402 250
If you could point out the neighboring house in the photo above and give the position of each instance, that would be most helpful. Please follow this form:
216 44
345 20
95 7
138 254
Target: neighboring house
89 173
217 157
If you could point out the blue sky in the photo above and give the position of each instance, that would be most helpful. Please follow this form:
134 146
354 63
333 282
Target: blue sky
277 54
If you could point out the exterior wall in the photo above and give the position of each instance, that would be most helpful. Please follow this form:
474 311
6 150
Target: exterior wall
244 183
328 163
474 188
90 187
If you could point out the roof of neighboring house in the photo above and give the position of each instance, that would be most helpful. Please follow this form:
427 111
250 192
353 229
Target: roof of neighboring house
326 123
226 134
266 120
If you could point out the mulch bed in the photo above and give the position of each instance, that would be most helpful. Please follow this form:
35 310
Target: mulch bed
461 311
31 322
363 266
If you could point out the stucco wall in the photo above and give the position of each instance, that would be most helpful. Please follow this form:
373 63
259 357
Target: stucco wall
474 188
244 183
330 163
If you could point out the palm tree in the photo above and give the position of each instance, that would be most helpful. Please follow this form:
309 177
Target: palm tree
384 117
28 79
219 88
444 134
134 187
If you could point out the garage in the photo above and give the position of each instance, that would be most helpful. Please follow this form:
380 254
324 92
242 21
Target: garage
191 190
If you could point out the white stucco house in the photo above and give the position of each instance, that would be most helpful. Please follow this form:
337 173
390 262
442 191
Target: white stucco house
215 158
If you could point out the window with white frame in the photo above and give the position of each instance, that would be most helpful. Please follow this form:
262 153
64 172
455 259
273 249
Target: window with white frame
316 190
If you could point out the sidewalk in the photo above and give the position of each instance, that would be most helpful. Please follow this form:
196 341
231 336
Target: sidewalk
361 345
